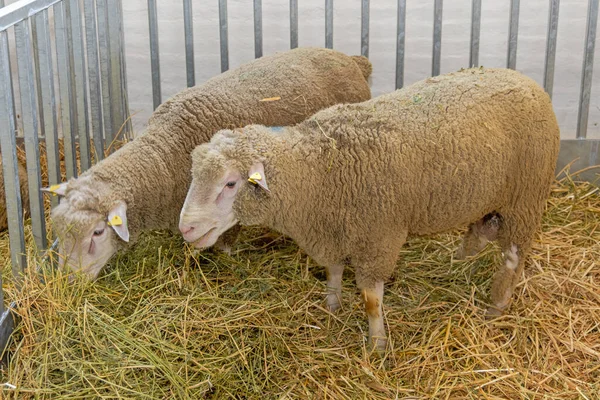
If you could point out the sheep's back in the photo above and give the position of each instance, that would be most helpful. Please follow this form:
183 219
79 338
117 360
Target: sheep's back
440 153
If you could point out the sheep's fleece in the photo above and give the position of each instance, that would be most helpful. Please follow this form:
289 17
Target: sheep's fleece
478 146
143 185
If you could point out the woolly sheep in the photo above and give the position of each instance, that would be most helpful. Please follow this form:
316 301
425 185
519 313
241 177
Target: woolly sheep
350 183
143 185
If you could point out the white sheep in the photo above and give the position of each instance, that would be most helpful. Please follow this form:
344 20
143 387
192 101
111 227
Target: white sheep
352 182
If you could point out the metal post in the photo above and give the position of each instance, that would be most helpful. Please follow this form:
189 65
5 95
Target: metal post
364 28
258 34
329 24
513 34
437 38
400 43
30 131
587 70
79 82
475 33
64 71
105 70
293 24
188 27
46 94
10 167
154 54
94 78
223 35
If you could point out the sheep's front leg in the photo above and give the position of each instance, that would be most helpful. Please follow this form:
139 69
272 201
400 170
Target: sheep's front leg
373 299
334 287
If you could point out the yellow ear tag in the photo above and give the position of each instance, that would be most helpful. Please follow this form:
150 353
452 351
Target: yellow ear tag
255 177
115 221
53 189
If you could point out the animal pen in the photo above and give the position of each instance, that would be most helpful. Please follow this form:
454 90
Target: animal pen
69 85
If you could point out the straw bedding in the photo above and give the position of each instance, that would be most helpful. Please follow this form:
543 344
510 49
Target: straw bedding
164 322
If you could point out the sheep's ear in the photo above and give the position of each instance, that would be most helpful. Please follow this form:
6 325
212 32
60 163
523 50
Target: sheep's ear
117 219
256 175
56 190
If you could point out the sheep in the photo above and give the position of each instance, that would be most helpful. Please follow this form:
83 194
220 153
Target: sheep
142 186
353 181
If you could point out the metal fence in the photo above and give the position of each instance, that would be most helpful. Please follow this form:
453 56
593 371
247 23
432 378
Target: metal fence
68 83
92 92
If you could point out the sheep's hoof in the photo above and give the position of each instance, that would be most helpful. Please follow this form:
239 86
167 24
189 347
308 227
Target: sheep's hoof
460 254
378 344
333 304
493 312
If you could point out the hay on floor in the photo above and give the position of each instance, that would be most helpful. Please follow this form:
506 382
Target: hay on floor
164 323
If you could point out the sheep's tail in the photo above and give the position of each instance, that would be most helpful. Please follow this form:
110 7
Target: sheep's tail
364 64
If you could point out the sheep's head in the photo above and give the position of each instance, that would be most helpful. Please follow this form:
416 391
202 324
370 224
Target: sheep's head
88 230
221 169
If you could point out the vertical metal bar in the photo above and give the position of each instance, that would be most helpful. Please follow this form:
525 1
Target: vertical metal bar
14 113
223 35
258 34
400 43
293 24
116 62
154 56
475 33
105 70
10 167
551 46
80 81
188 26
329 24
116 92
513 34
364 28
45 78
30 131
94 77
123 62
437 38
63 67
588 68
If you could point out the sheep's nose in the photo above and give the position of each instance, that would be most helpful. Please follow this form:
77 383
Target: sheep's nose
186 230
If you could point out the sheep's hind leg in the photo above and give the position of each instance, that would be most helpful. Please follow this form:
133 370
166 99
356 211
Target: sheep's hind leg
479 234
334 287
515 237
504 281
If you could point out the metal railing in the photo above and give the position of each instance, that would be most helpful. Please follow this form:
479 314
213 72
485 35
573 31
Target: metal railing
92 90
83 102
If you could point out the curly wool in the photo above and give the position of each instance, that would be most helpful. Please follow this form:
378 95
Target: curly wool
350 183
151 174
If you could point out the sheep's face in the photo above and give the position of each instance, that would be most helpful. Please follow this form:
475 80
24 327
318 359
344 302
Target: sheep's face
87 238
87 245
221 169
208 209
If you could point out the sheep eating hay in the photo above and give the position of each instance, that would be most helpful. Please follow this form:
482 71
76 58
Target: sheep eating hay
350 183
143 185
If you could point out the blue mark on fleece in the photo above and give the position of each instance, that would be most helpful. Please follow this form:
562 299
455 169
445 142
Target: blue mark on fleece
276 129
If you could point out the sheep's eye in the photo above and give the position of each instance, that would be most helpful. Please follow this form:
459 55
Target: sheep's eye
98 232
230 184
